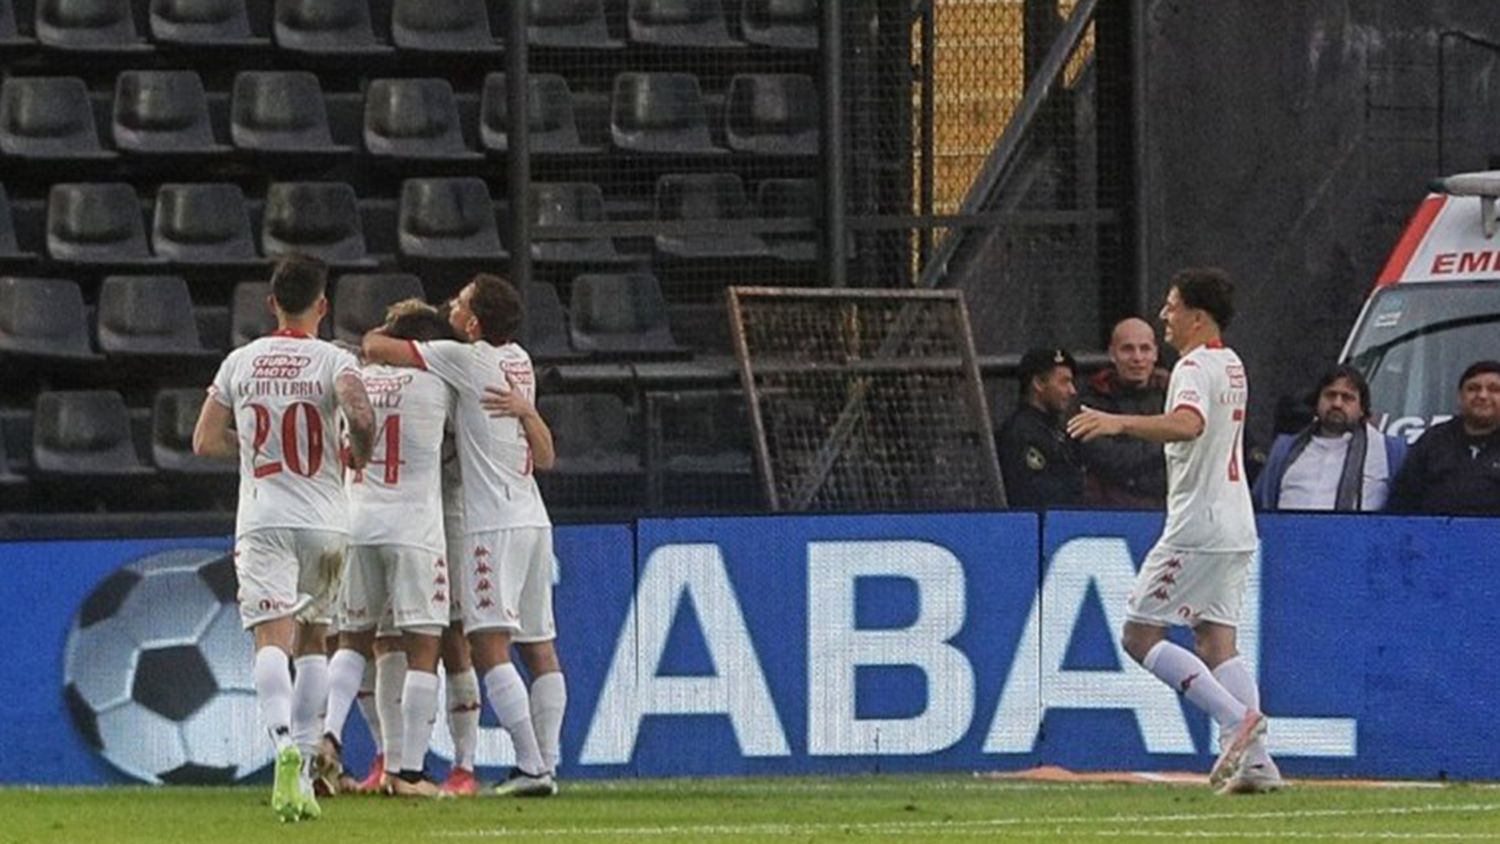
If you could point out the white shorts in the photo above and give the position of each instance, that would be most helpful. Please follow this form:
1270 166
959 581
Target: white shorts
458 551
1185 587
288 572
393 587
508 583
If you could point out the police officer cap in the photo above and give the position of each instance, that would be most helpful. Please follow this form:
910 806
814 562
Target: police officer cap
1041 361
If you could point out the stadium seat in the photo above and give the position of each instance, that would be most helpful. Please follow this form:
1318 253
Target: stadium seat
598 455
570 24
97 26
448 219
208 24
791 199
545 334
705 459
620 313
705 196
696 24
163 112
12 485
772 114
174 414
459 27
249 315
11 38
414 120
10 247
96 223
147 315
360 301
570 203
281 113
44 318
48 118
784 24
332 28
83 432
660 113
554 128
202 224
315 218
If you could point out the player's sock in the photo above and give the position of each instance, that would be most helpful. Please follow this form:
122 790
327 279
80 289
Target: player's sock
549 698
419 700
513 710
273 691
390 675
345 671
367 707
309 702
1181 669
463 716
1234 675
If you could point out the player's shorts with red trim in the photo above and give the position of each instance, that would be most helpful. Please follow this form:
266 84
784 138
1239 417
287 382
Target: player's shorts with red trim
288 572
1176 587
393 588
507 583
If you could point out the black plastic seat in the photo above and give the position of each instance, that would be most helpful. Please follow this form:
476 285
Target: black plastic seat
620 313
660 113
598 454
83 432
333 28
545 334
772 114
147 315
696 24
48 118
163 112
452 27
360 301
281 112
550 114
94 26
705 196
10 247
448 219
44 318
570 204
174 415
250 315
320 219
784 24
569 24
705 461
11 38
207 24
96 223
791 199
202 224
414 120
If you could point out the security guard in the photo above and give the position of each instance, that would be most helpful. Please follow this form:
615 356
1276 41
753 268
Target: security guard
1041 465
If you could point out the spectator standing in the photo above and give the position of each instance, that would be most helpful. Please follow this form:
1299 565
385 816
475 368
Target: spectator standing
1042 467
1455 467
1122 471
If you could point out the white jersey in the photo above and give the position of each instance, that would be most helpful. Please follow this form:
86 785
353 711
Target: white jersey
1208 500
453 486
397 498
500 491
280 388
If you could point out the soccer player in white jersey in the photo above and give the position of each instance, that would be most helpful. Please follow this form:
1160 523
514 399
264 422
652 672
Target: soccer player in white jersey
507 588
1195 574
284 394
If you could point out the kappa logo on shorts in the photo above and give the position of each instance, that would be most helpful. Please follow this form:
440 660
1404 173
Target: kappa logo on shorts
440 563
483 585
481 551
440 581
1174 563
1161 595
485 603
483 569
439 598
1167 578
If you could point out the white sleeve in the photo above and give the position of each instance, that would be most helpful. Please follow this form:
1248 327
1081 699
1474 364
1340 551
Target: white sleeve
222 389
343 362
1189 388
447 359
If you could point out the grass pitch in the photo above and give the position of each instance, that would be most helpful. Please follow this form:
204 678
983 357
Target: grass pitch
885 808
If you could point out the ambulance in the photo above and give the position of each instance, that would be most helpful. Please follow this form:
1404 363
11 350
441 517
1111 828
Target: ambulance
1435 308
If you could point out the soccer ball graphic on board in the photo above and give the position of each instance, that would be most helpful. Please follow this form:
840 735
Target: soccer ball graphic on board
157 672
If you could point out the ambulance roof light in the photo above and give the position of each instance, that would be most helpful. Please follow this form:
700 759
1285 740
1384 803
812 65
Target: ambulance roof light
1484 184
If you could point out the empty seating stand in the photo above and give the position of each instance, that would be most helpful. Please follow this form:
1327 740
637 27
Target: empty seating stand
10 247
569 24
90 26
772 114
791 199
545 334
174 415
281 113
414 120
550 116
328 28
620 314
705 196
203 224
147 316
570 203
445 27
84 434
700 458
660 113
598 464
204 24
448 219
696 24
360 301
96 223
12 40
782 24
163 112
250 314
48 119
43 318
315 218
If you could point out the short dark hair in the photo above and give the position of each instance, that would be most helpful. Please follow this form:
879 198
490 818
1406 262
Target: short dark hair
297 281
413 319
1345 372
1039 363
1482 367
497 306
1208 289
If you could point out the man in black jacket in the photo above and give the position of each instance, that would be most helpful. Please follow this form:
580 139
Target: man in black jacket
1038 460
1123 471
1455 467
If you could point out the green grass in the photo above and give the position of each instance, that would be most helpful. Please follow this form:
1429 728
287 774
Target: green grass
886 808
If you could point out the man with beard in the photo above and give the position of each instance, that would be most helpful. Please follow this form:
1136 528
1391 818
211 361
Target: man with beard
1339 461
1455 467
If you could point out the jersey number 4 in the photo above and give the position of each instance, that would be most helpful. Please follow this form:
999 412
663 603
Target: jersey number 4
390 456
292 457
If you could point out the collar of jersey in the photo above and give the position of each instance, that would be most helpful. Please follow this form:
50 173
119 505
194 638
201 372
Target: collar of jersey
291 332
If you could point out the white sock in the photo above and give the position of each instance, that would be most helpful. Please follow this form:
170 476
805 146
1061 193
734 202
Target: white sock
309 701
1181 669
273 691
463 716
513 710
418 711
1234 675
345 672
549 698
367 707
390 675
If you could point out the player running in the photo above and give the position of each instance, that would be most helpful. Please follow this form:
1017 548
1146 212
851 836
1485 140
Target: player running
1195 575
284 393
